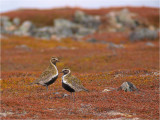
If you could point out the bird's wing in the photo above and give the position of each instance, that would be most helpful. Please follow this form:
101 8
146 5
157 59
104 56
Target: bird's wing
76 84
47 74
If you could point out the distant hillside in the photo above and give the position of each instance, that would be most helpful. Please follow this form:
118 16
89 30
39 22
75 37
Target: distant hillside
46 17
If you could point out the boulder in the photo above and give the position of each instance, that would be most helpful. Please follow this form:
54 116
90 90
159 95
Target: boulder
125 17
143 33
63 27
87 20
122 20
27 28
8 27
127 87
16 21
44 32
82 31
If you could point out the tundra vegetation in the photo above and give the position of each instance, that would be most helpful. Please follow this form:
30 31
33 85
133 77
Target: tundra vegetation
102 63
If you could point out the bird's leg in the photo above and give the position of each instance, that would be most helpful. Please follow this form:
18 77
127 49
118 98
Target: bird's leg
53 90
47 88
73 98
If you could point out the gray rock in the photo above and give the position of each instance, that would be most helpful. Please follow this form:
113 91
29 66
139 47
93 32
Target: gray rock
27 28
122 20
107 89
114 46
44 32
87 20
150 44
65 95
143 33
63 23
82 31
16 21
63 27
127 86
8 28
92 40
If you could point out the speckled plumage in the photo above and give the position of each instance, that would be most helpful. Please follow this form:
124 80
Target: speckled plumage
50 75
72 82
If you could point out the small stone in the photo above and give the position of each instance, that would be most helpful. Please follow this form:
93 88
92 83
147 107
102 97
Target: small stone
127 86
150 44
5 114
108 89
65 95
92 40
112 46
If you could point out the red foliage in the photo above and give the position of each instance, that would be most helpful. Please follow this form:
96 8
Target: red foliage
94 64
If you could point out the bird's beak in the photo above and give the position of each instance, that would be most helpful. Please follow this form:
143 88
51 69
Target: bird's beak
61 72
58 61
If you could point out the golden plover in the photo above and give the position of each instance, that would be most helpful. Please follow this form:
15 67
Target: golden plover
50 75
71 83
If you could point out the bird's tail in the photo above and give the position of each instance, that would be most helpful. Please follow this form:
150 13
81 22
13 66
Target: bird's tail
85 90
32 83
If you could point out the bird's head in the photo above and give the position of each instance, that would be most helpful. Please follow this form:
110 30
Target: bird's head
54 60
65 71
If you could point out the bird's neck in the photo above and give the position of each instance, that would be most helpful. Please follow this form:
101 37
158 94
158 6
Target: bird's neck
53 67
67 75
53 64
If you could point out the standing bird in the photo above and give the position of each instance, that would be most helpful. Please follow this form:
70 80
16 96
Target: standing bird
50 75
71 83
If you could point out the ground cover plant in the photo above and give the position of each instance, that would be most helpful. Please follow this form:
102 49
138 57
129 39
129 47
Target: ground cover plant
95 64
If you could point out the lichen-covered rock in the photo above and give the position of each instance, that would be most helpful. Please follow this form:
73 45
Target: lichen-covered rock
87 20
7 26
127 87
63 27
27 28
44 32
143 33
122 20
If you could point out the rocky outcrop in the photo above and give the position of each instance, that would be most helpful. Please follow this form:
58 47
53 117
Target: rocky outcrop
87 21
142 34
82 25
123 20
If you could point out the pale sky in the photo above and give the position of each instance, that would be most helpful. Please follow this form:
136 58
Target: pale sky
8 5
